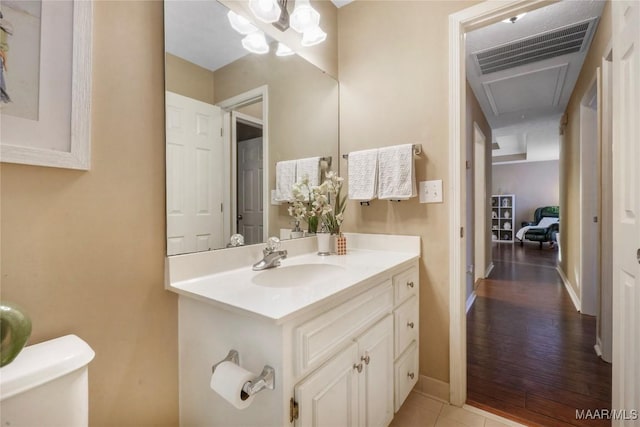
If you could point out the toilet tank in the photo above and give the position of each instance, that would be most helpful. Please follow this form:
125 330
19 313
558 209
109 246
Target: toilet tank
47 385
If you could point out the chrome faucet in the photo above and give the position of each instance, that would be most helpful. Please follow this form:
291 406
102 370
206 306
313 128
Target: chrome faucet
272 255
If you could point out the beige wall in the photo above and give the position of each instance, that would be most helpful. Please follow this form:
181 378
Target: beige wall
83 252
393 74
535 184
475 115
570 154
188 79
303 111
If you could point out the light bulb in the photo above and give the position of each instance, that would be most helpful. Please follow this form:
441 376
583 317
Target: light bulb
265 10
255 43
304 17
240 23
284 50
313 37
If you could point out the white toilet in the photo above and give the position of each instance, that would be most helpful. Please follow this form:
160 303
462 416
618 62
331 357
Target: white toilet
47 385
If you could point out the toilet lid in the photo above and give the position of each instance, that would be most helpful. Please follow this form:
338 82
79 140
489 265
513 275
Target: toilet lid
40 363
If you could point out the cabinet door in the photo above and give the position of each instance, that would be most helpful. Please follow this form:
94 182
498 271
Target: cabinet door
329 396
375 349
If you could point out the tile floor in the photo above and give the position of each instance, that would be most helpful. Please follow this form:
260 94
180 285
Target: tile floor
420 410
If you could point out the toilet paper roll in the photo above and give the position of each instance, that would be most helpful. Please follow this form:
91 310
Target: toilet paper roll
227 380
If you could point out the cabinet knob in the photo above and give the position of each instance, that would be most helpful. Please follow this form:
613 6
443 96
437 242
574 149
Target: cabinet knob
358 367
410 284
411 375
410 324
366 359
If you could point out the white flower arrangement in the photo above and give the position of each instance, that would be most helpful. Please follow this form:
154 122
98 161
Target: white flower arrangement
322 204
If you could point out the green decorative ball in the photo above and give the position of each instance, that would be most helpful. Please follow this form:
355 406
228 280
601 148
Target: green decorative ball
15 329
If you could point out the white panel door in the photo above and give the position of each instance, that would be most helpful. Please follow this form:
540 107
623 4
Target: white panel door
376 382
194 175
250 214
329 397
626 209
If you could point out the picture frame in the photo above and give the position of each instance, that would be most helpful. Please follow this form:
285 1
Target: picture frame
49 141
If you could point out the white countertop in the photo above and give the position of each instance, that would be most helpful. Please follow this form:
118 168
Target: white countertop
239 289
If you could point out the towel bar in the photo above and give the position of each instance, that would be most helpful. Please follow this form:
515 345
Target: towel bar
417 150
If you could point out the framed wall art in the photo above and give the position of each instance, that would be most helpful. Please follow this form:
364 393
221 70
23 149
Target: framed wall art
45 83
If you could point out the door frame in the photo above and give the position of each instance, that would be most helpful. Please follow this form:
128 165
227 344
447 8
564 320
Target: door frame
481 205
605 317
589 260
228 105
461 22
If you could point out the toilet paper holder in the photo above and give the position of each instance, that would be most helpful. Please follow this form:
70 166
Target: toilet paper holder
267 379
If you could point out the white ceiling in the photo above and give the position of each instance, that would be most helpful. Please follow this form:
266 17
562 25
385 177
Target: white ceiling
199 32
520 102
340 3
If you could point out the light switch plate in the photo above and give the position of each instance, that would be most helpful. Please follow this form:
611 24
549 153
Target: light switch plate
431 191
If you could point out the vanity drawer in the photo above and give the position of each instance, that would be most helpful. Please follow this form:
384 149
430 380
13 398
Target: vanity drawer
406 284
317 339
406 324
406 374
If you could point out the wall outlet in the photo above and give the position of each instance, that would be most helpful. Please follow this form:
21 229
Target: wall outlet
431 191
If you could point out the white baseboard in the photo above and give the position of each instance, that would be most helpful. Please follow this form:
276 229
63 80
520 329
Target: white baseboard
598 347
569 288
489 270
471 300
433 388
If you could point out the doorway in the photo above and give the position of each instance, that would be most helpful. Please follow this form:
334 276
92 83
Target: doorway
249 167
460 23
246 118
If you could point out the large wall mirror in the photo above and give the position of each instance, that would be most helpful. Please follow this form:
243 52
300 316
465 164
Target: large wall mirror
231 116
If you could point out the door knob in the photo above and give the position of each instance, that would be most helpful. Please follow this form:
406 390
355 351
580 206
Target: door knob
410 284
410 324
411 375
358 367
638 255
366 359
240 217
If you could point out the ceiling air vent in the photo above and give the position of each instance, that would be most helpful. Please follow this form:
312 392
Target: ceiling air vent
561 41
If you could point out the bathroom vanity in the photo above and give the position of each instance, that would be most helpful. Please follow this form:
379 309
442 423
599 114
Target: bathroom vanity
341 332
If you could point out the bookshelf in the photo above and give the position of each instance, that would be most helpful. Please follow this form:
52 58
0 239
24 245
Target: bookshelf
503 210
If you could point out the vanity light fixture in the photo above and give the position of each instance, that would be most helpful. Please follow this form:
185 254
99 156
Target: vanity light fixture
304 17
313 37
513 19
255 43
265 10
241 24
284 50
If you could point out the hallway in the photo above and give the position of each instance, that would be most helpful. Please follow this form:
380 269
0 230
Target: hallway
530 353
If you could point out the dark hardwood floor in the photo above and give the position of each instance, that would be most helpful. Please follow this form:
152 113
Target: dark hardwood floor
530 354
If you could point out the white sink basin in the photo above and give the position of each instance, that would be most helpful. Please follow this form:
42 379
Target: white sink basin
291 276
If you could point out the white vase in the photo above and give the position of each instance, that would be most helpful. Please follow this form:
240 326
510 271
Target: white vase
324 243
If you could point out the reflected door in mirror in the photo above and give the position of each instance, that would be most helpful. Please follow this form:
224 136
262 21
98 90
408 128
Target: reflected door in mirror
250 190
194 175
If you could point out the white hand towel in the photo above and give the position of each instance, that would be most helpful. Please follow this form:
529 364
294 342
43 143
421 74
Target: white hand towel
309 167
396 173
363 175
285 178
